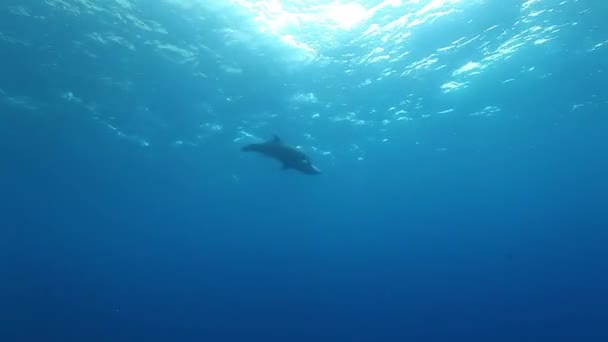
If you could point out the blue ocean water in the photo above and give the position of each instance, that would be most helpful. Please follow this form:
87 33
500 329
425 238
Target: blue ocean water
462 143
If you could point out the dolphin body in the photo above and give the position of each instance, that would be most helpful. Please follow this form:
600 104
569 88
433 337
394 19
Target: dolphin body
289 157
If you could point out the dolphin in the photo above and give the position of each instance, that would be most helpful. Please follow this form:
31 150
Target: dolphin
289 157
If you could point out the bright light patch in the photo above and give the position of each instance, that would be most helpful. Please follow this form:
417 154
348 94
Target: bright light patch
467 67
435 5
346 16
452 86
290 40
305 98
526 5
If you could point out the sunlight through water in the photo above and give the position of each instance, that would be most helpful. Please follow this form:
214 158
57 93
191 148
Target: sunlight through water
316 56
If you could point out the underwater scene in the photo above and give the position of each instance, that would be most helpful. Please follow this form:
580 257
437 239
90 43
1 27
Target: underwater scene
304 170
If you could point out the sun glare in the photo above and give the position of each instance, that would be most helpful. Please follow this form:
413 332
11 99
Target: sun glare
295 22
345 16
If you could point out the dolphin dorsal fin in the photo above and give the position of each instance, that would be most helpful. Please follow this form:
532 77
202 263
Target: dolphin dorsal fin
276 140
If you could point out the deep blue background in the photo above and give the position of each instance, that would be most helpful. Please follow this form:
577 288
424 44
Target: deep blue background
502 237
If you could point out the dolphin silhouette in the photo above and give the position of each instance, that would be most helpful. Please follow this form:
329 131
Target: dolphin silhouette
290 158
